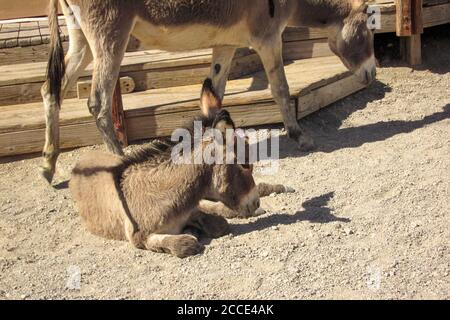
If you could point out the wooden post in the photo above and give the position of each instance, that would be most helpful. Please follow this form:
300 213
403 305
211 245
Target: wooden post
119 116
410 27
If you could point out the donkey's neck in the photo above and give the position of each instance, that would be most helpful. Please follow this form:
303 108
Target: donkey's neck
320 13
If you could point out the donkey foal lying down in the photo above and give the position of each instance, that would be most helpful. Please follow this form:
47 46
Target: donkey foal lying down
150 201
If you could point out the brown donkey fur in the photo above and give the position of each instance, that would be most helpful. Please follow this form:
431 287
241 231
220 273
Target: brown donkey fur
104 27
149 200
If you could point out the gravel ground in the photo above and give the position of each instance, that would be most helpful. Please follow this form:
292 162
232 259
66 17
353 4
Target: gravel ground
370 218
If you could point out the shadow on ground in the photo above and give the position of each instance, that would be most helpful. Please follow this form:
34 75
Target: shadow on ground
315 211
325 126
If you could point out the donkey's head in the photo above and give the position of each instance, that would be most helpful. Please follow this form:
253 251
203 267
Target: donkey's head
232 182
352 41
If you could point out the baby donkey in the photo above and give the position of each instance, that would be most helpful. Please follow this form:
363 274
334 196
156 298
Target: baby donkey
152 202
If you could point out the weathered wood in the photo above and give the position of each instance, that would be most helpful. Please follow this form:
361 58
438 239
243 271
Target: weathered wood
22 9
118 115
149 70
417 17
158 112
301 74
410 27
409 17
432 16
127 85
413 49
306 49
404 18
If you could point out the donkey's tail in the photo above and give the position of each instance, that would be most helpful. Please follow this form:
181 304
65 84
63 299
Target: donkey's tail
55 67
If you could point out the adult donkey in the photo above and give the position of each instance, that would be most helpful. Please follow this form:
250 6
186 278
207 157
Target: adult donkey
104 27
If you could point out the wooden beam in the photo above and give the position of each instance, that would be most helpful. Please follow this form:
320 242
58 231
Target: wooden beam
417 17
409 26
403 18
158 112
127 85
413 49
23 9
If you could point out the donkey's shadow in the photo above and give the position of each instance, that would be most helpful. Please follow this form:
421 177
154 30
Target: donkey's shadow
314 210
325 125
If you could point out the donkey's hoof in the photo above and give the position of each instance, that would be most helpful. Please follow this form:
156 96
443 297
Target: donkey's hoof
289 190
214 226
47 174
305 143
187 246
259 212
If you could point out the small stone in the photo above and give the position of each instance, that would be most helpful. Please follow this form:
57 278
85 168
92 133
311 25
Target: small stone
273 195
24 296
276 228
348 231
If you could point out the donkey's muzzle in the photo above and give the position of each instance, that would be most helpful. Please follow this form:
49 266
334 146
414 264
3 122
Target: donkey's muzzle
367 73
370 76
250 204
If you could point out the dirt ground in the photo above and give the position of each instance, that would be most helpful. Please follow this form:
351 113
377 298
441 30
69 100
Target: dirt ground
370 217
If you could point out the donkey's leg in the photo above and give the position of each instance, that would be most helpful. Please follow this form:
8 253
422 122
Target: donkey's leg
270 51
210 226
266 190
181 245
220 68
217 208
220 209
107 59
77 59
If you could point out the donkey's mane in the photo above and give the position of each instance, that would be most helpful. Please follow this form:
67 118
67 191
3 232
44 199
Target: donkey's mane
161 150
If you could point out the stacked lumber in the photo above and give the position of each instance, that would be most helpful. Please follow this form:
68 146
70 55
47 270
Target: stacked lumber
315 83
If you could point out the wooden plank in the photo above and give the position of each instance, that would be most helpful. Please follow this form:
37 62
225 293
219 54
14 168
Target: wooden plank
417 17
413 49
27 54
144 60
158 112
185 71
432 16
436 15
306 49
299 34
410 26
127 85
23 9
435 2
315 100
21 84
302 75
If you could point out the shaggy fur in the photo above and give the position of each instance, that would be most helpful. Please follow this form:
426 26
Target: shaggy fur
148 200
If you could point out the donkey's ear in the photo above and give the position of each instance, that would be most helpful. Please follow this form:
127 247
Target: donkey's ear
223 121
360 5
210 103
